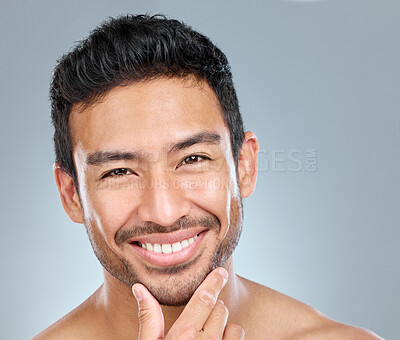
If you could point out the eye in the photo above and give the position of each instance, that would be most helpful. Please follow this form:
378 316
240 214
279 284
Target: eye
118 172
192 159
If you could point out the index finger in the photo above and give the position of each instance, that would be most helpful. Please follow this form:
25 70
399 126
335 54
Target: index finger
203 300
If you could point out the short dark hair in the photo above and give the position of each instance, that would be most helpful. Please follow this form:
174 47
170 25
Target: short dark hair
129 49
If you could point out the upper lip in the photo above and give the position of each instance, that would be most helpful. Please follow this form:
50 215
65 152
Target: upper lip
169 238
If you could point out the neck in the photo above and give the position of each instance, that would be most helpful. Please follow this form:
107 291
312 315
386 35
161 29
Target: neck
119 306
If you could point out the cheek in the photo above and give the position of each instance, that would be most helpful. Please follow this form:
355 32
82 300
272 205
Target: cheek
109 209
213 193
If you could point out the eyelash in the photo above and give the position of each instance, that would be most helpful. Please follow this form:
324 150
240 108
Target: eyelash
114 172
201 157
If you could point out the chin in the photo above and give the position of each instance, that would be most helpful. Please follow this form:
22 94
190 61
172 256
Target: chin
179 282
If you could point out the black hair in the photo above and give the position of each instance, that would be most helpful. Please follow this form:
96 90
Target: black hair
129 49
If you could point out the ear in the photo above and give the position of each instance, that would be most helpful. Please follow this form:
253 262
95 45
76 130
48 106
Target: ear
247 164
68 194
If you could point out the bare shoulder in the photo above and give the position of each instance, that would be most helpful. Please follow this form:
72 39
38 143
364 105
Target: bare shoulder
74 325
333 330
62 329
283 317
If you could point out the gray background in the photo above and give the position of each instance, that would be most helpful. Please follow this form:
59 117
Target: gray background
319 75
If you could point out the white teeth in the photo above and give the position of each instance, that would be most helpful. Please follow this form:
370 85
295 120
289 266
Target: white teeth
157 248
168 248
176 247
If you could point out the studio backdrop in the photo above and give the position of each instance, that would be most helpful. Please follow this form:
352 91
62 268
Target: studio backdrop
318 82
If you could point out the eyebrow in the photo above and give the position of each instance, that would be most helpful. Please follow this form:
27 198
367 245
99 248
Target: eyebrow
204 137
100 157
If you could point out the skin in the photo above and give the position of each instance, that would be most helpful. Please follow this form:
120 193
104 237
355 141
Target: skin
148 117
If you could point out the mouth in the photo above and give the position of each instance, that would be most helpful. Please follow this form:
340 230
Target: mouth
169 249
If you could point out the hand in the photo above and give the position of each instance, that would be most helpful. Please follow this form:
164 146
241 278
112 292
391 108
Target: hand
204 316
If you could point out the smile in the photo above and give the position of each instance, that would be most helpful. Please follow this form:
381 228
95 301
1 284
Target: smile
168 248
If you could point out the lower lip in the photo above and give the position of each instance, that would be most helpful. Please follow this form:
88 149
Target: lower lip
165 260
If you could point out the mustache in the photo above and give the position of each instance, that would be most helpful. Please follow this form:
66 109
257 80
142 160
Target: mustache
147 228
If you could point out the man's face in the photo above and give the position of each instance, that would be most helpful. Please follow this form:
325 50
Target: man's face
158 185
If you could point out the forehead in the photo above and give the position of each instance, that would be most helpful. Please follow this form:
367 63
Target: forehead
148 115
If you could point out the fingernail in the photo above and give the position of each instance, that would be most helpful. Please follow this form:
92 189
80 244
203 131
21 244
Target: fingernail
223 272
137 293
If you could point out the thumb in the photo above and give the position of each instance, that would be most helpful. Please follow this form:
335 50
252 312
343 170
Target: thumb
151 319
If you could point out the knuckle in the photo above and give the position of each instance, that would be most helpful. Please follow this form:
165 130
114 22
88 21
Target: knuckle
221 308
208 298
144 316
213 337
236 330
188 333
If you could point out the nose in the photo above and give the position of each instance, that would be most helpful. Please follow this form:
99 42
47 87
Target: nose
162 202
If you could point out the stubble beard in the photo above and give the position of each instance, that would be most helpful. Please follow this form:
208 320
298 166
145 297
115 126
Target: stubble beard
180 283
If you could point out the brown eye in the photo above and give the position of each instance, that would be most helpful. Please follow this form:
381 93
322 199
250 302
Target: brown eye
118 172
191 159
